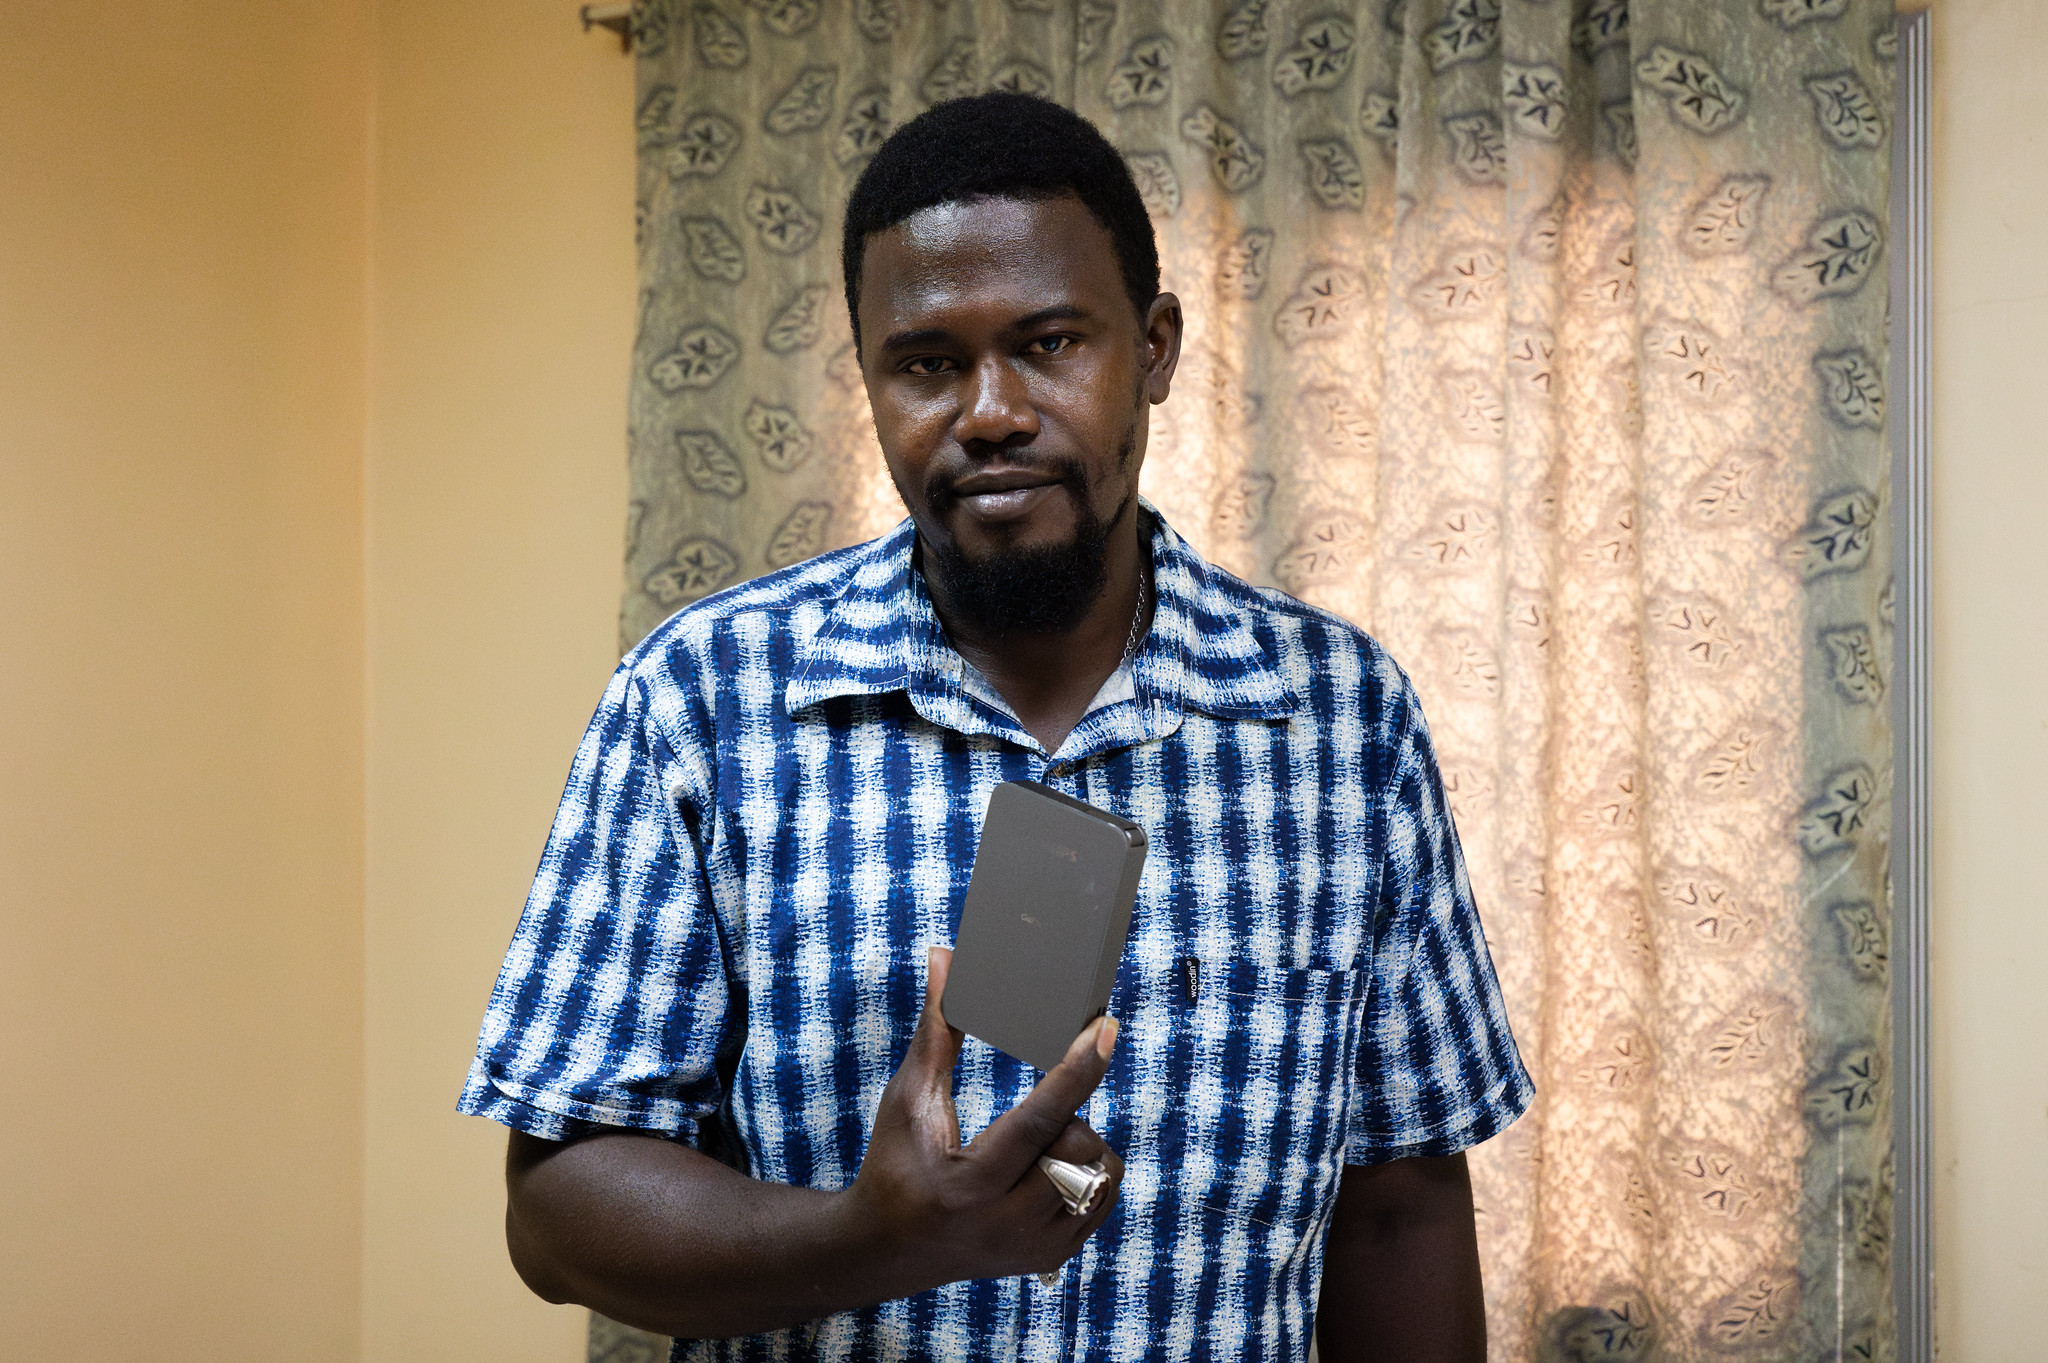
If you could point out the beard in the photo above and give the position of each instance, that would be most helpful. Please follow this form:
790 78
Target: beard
1037 589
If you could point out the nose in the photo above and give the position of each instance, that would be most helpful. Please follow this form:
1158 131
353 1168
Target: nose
995 405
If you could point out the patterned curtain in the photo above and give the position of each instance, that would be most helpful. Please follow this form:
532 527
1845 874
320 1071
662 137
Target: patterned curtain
1545 339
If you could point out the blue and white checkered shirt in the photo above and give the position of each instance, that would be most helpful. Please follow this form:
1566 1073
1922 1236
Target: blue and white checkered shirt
774 813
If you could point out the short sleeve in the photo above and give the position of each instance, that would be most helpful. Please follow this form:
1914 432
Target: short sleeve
1438 1071
613 1007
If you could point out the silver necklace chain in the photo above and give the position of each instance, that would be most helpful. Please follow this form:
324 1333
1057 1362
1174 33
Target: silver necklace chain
1137 623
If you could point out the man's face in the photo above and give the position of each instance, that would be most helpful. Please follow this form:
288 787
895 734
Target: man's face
1009 377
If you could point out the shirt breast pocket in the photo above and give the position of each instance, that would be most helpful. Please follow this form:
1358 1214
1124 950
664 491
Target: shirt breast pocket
1238 1086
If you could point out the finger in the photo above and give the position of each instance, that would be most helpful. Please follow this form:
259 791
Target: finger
1070 1232
1106 1196
1037 1199
1078 1144
1015 1140
1105 1201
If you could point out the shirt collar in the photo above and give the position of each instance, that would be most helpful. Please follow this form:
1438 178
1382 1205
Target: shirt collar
882 636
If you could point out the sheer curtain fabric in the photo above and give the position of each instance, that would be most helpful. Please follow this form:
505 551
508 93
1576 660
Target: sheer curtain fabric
1545 339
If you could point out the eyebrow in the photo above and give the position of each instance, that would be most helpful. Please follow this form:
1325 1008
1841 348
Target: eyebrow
1059 312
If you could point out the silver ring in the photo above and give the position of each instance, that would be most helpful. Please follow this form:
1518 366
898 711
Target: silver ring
1077 1183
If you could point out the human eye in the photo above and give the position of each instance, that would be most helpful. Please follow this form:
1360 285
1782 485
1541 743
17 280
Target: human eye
926 366
1051 345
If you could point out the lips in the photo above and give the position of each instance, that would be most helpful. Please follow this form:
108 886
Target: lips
1005 495
1006 480
993 506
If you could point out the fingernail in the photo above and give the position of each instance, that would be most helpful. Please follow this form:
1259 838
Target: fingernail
1105 1037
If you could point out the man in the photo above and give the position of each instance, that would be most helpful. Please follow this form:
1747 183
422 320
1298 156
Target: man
737 1111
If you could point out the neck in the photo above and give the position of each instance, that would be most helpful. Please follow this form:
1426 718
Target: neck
1048 679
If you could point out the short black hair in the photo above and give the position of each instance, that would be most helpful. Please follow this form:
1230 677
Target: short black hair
1000 146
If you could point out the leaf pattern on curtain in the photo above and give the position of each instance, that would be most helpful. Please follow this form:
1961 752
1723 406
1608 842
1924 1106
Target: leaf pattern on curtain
1539 336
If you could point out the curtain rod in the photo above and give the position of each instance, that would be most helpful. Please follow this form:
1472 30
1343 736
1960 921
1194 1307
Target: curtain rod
617 18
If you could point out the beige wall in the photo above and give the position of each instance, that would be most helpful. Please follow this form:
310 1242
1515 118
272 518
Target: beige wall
503 305
1990 679
182 237
227 1137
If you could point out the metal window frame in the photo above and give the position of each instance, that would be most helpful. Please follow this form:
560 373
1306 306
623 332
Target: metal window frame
1910 385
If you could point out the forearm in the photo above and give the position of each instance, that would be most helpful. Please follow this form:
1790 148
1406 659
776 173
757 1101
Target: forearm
1401 1269
660 1236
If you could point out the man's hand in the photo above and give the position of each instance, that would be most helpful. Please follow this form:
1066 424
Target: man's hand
983 1210
655 1234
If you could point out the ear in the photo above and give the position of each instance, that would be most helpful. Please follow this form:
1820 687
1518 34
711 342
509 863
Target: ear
1161 343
